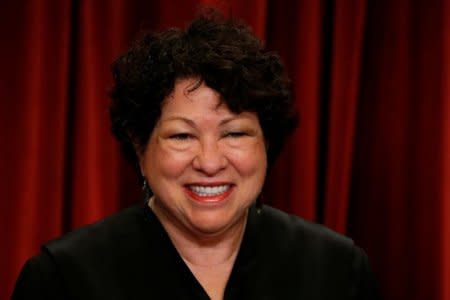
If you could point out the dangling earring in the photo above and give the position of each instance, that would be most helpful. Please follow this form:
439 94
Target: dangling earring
146 192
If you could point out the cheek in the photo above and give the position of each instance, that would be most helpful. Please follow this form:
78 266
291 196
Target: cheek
251 161
164 162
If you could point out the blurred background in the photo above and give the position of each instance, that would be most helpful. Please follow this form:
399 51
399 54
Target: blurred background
370 159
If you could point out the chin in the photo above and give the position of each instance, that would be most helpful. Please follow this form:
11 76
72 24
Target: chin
213 224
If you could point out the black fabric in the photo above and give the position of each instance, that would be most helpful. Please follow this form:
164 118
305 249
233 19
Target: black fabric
130 256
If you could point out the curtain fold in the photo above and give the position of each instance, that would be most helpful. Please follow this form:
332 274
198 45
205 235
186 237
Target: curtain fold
346 46
94 176
294 30
370 159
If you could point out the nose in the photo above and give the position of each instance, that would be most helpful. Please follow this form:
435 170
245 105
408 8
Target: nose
210 158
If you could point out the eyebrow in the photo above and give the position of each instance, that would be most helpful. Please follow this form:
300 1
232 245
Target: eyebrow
176 118
192 123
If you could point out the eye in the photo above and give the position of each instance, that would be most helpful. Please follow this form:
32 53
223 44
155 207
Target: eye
180 136
235 134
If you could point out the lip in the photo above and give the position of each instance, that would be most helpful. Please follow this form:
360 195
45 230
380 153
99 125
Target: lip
209 199
215 183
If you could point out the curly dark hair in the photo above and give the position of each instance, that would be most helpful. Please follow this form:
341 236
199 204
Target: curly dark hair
221 52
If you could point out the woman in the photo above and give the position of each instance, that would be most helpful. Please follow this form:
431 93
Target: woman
203 113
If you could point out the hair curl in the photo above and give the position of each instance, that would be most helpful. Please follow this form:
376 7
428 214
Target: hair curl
225 55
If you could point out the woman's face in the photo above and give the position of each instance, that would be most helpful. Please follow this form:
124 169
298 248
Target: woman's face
204 164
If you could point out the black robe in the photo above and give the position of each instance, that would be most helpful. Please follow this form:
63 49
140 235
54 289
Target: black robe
130 256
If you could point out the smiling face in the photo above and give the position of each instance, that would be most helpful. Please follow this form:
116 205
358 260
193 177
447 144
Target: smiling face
204 164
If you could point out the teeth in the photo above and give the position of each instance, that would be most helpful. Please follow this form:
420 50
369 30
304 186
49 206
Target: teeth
209 190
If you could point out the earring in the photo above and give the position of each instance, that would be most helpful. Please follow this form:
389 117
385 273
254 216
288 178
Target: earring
146 192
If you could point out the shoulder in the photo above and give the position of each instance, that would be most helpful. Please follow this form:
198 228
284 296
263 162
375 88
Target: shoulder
92 260
291 229
93 250
39 279
308 256
108 232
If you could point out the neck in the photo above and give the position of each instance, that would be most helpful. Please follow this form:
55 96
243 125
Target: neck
198 249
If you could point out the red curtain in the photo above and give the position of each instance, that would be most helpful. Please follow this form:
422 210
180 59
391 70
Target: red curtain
371 157
398 202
